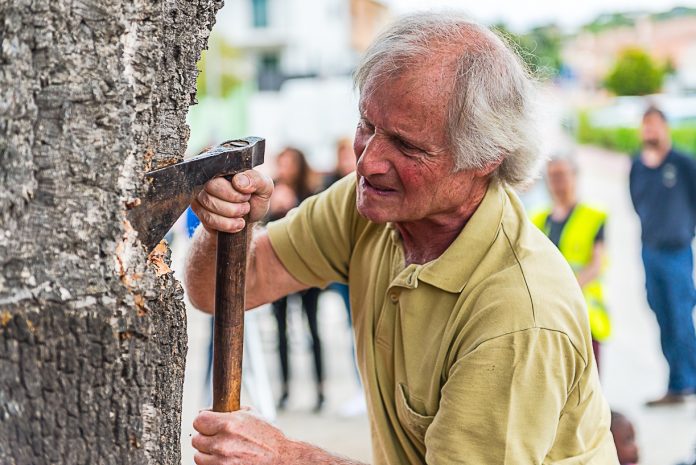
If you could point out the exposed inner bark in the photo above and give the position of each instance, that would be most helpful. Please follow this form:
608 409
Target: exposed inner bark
92 336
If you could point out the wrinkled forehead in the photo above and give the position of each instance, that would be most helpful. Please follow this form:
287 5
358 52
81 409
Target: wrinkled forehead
428 82
413 104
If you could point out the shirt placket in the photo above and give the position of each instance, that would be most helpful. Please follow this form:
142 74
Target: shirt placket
405 281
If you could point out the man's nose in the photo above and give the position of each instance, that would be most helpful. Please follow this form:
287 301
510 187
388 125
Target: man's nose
374 158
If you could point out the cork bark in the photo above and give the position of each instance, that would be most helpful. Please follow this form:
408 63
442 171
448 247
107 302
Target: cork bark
92 332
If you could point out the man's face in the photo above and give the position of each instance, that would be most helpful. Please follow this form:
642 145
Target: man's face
346 160
654 131
287 167
405 167
560 177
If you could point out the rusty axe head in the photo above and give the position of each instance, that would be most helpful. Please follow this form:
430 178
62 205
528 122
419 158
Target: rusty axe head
171 189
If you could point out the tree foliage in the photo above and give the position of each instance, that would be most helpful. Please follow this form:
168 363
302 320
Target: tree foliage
540 48
635 73
219 77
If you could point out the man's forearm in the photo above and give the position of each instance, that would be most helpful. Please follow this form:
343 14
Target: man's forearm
199 277
267 279
301 453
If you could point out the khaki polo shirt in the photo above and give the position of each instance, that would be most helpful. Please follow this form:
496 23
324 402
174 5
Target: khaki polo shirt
482 356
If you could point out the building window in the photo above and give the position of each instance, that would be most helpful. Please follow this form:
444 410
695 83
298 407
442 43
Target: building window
269 74
260 12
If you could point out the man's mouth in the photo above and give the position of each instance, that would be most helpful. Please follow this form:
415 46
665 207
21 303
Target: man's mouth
651 143
376 188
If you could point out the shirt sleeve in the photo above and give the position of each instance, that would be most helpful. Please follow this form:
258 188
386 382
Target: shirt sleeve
315 241
691 183
632 182
501 402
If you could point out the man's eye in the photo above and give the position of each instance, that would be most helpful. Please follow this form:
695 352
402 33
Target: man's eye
366 125
407 148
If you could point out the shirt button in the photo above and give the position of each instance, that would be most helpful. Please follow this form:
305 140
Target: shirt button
394 297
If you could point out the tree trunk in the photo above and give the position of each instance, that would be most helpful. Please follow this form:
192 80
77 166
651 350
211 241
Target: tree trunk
92 332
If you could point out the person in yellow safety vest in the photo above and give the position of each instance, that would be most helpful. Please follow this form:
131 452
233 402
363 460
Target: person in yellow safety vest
577 229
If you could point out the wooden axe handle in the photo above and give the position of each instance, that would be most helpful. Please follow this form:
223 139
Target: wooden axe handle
228 332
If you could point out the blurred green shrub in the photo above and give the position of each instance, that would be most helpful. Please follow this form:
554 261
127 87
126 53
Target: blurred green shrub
627 140
635 73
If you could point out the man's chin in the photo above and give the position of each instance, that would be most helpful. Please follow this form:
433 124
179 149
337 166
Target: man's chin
372 214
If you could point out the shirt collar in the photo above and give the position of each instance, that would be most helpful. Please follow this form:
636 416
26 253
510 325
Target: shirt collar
451 270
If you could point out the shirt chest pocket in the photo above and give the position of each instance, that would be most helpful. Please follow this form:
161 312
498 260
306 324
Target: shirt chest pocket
414 423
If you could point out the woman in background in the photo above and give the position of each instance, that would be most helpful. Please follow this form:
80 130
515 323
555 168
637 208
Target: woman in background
293 184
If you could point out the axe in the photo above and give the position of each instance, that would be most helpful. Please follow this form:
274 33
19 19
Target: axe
170 191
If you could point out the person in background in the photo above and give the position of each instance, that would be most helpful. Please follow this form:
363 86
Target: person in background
345 165
577 229
662 183
292 186
345 161
624 439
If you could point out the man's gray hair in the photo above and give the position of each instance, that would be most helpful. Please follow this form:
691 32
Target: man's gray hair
490 113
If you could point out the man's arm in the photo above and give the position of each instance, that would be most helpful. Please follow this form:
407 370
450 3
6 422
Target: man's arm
691 183
222 206
243 438
632 183
266 281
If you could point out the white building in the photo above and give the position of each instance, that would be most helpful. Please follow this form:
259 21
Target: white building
300 55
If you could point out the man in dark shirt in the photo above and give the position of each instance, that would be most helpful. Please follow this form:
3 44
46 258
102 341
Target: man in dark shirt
663 191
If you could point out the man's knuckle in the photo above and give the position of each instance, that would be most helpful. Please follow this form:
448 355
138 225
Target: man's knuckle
233 224
218 448
229 428
242 208
207 218
204 200
227 224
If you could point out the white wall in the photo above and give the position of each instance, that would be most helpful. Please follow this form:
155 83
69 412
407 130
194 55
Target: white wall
312 35
311 114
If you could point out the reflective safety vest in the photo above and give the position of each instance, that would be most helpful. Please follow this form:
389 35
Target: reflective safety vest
577 245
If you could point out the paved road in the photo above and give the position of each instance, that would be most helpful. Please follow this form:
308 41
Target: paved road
633 369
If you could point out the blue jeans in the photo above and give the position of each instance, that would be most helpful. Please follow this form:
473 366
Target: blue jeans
671 295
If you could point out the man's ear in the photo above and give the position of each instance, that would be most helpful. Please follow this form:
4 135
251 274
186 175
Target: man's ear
489 168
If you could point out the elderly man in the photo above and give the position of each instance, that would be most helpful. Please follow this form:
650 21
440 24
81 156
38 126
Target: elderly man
471 331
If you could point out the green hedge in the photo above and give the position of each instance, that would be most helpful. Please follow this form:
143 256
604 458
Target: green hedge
627 140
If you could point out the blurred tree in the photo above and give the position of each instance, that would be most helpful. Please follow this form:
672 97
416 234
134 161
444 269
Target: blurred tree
635 73
610 21
540 48
676 12
218 76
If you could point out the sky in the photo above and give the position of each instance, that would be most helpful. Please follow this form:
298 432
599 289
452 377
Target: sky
523 14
